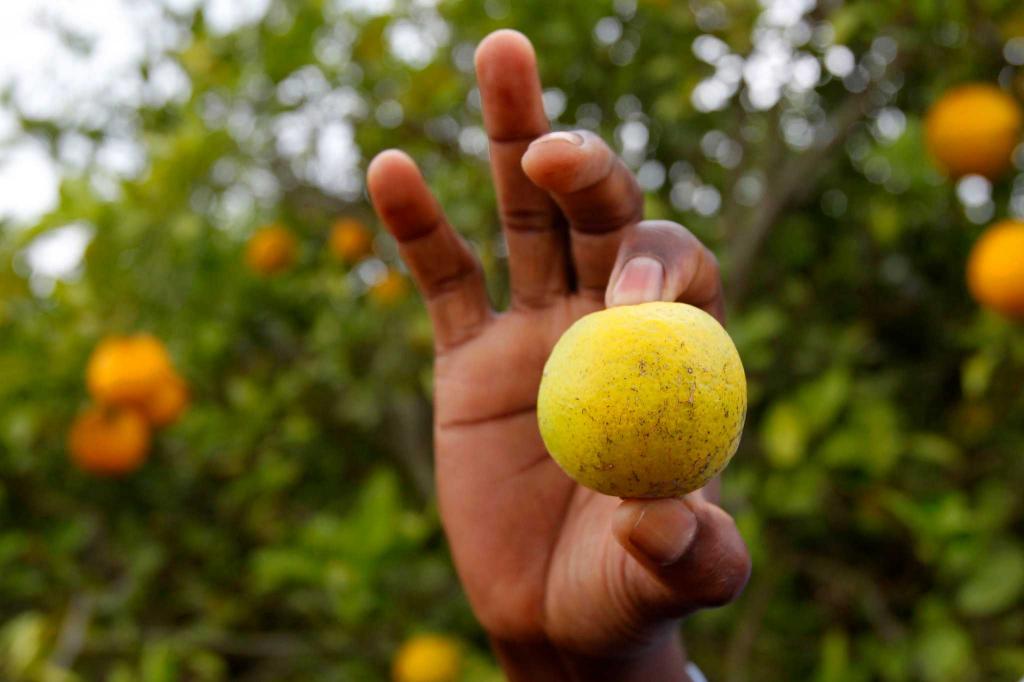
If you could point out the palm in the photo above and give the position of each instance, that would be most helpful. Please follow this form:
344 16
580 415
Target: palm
511 512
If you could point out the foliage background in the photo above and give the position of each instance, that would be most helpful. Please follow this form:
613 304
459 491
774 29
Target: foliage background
284 530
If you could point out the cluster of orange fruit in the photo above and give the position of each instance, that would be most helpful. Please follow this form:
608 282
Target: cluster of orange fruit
973 130
274 248
136 389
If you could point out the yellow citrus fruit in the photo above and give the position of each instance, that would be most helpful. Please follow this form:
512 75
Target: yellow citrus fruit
271 249
995 269
390 289
167 402
428 658
108 441
125 370
974 128
350 240
643 401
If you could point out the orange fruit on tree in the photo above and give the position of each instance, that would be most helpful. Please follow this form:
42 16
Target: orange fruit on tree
125 370
271 250
995 269
167 402
428 658
109 441
974 128
350 240
390 289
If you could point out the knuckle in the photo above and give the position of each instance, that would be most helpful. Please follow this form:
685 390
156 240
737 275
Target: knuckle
742 568
601 221
450 283
526 219
726 575
711 261
728 581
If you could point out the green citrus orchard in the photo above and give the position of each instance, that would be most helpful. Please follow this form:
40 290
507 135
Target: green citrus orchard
643 401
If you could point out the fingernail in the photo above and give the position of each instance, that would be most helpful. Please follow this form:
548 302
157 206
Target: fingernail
662 530
641 280
561 135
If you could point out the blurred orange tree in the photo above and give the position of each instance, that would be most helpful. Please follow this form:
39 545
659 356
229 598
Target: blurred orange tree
283 529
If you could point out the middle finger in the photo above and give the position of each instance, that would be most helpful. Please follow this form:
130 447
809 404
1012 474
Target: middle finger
514 116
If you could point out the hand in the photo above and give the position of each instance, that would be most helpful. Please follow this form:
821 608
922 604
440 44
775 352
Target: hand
569 583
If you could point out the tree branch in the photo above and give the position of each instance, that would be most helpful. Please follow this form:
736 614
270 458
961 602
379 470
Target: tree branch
796 176
411 440
73 629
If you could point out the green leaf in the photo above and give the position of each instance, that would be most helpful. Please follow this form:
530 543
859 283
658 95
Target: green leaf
275 568
886 221
996 584
933 448
976 374
22 643
835 657
794 492
159 663
784 435
943 653
378 514
822 399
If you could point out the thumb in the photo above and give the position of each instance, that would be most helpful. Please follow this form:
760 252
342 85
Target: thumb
689 551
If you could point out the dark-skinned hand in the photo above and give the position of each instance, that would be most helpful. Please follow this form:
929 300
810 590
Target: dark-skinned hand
570 584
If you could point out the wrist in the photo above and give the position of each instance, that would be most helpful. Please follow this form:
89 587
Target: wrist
663 660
